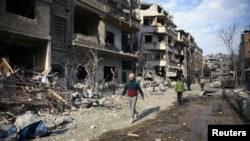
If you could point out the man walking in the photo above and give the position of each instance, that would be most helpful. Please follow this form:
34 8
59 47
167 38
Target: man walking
188 81
114 78
131 88
202 83
179 88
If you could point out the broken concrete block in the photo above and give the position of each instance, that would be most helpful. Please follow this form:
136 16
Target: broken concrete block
25 119
215 85
59 121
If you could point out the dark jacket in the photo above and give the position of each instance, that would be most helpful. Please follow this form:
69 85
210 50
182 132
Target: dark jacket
132 88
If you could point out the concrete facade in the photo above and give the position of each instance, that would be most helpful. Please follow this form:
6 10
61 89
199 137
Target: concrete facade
244 56
25 29
105 30
58 34
157 38
219 64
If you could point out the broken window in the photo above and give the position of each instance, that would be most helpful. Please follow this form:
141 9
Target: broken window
108 73
148 20
110 37
159 9
160 39
161 21
127 65
59 33
23 8
159 56
148 38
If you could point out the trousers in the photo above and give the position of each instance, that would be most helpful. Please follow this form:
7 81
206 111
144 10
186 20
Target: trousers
179 98
132 105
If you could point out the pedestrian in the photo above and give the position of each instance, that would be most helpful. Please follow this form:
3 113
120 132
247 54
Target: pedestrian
114 78
131 88
188 82
179 89
183 79
202 83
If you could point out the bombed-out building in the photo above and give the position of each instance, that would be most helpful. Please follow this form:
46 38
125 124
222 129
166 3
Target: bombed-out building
25 33
156 39
70 37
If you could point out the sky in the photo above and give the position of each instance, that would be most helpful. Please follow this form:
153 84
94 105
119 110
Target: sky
203 19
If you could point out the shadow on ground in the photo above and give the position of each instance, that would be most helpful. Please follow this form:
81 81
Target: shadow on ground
147 112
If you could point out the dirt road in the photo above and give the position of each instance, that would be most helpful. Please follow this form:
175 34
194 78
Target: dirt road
160 119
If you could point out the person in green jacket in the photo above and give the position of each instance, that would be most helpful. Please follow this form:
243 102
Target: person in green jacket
179 88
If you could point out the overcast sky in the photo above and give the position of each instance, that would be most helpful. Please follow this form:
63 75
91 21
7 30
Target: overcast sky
204 18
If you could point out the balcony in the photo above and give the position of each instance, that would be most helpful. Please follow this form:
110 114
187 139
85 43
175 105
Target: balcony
155 29
119 14
93 5
86 40
158 63
154 46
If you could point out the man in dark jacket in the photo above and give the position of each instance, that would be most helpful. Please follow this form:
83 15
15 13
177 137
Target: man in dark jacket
188 82
131 88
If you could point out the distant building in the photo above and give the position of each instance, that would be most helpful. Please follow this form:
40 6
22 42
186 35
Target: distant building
219 64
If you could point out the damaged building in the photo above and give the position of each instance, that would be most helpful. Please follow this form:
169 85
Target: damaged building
25 33
70 37
169 52
157 40
109 32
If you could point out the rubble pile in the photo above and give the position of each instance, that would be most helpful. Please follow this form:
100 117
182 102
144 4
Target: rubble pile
34 100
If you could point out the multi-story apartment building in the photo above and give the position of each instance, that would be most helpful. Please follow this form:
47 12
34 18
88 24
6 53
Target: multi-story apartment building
219 64
224 65
59 34
25 37
244 56
108 30
190 55
157 38
198 61
182 46
212 63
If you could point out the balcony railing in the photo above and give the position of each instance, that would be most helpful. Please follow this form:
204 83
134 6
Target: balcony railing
155 46
155 29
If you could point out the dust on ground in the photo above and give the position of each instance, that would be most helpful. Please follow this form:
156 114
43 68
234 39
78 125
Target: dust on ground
159 118
188 122
89 123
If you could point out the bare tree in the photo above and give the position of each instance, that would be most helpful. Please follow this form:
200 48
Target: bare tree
228 37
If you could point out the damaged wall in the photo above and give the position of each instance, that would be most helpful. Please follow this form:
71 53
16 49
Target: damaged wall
26 30
62 36
39 26
117 32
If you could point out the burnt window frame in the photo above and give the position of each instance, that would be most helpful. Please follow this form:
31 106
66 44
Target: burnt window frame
148 18
12 6
107 34
145 38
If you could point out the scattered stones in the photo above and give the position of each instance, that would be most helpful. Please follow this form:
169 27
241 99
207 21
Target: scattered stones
216 106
